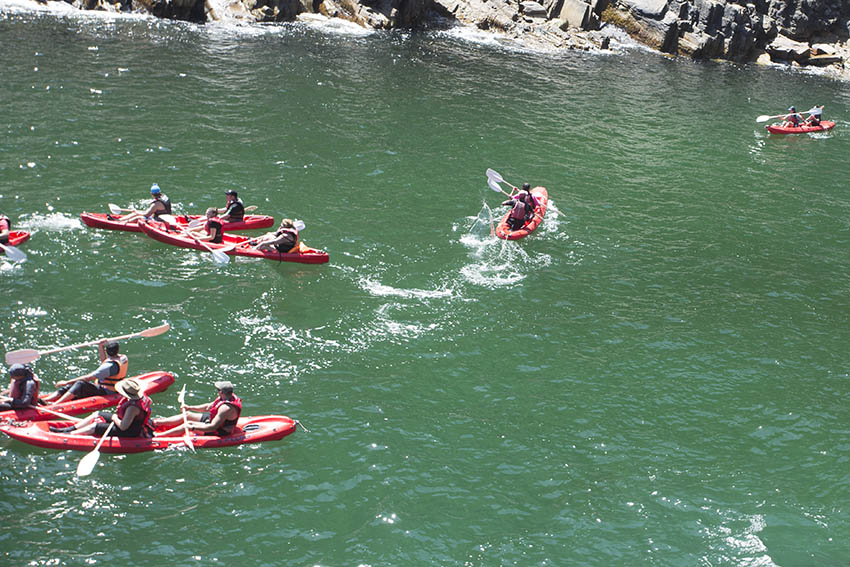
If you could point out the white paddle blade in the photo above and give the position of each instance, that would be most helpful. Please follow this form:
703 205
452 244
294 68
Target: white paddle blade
181 397
14 254
220 257
22 356
494 176
251 208
494 186
299 224
87 463
194 223
114 209
763 118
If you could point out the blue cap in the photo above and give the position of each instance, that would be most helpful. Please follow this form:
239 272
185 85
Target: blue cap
155 190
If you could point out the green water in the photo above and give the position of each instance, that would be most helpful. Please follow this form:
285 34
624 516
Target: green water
658 376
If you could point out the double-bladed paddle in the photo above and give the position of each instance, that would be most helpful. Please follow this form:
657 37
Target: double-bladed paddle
26 355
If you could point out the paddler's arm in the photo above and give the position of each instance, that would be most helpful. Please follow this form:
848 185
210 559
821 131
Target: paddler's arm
28 398
129 417
214 424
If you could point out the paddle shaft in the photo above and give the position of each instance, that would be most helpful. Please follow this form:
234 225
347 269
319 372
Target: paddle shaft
56 413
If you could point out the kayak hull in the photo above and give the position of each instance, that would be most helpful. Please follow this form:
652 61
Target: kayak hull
17 237
150 383
113 222
778 129
248 430
241 243
503 229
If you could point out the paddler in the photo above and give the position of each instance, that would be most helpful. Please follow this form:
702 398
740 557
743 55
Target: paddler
211 231
522 206
218 417
5 229
131 417
101 382
815 116
23 388
284 239
234 210
161 205
792 119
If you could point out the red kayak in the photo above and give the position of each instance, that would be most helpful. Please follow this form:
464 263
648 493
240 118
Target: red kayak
233 244
248 430
503 229
150 383
779 129
17 237
113 222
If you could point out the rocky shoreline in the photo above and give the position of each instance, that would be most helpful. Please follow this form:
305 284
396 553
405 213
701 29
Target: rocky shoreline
793 32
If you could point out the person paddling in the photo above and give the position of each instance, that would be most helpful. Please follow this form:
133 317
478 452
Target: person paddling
792 119
23 388
283 240
815 116
218 417
522 206
101 382
131 417
5 229
234 211
212 230
161 205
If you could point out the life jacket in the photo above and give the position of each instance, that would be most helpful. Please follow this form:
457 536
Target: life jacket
119 366
19 388
141 424
216 223
166 202
216 406
519 210
292 231
236 210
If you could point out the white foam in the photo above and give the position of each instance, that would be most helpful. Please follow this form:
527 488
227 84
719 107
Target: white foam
51 221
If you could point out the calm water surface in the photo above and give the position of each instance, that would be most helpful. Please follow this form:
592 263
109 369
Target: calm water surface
658 376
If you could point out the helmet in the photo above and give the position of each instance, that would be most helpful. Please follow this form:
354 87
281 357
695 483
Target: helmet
155 190
20 370
792 109
231 192
526 186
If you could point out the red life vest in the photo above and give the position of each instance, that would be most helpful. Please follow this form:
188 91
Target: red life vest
18 388
234 401
144 405
123 363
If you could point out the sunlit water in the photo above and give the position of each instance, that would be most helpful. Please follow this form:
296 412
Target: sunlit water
657 376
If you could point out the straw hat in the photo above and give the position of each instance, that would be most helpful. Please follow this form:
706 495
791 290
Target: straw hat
128 388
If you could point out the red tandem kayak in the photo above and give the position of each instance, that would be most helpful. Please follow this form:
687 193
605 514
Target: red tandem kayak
150 383
17 237
113 222
242 248
779 129
503 229
248 430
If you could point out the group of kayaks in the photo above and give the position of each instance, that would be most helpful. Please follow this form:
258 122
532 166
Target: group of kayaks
32 425
174 232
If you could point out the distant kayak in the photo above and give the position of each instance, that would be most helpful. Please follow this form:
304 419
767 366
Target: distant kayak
17 237
248 430
113 222
503 229
150 383
242 248
779 129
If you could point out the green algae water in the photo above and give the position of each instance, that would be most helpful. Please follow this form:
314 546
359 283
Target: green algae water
657 376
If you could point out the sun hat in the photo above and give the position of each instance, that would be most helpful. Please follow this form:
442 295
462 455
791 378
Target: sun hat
224 385
128 388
